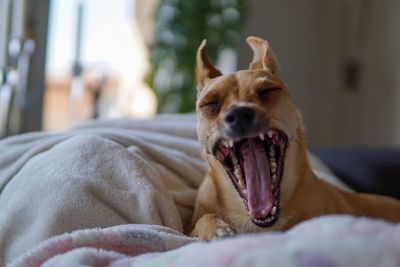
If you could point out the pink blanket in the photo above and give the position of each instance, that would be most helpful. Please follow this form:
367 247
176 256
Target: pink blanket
331 241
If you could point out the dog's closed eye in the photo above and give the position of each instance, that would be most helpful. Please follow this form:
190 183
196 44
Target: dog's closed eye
263 93
211 107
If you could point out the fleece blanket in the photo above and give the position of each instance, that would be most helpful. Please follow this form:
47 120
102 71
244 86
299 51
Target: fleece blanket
331 241
102 174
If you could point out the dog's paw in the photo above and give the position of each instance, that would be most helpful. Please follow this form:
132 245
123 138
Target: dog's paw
210 227
222 230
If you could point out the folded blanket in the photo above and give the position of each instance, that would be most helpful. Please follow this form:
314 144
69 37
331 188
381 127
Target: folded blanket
99 175
103 174
331 241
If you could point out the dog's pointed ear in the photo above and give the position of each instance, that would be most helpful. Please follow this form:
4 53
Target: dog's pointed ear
204 70
263 57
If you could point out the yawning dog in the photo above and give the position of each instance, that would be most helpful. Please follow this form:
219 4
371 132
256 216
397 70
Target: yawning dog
259 177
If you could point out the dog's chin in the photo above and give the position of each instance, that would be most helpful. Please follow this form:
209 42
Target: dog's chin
255 167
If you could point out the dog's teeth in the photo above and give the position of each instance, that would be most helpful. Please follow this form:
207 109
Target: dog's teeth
242 183
238 171
262 137
225 143
239 177
234 159
271 152
273 166
270 133
273 178
273 211
230 143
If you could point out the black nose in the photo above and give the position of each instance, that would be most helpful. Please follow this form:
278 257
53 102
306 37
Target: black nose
239 119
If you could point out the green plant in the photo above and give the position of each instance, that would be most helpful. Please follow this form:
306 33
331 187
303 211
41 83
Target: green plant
181 25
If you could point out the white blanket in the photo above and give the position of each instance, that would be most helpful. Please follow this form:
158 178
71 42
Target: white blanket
103 174
329 241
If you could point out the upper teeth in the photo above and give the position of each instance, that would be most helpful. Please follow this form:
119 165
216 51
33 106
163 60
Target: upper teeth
270 133
238 171
239 176
225 143
262 136
234 158
230 143
273 166
271 151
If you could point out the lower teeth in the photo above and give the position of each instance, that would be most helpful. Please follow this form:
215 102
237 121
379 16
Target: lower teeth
268 219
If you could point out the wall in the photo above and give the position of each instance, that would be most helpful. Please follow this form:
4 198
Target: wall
312 40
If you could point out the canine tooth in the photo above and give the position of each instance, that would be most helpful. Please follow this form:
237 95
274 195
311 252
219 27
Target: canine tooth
230 143
262 137
225 143
273 211
270 133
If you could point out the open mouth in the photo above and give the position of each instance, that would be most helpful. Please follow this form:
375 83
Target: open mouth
255 167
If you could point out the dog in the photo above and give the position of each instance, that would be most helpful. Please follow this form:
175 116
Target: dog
259 176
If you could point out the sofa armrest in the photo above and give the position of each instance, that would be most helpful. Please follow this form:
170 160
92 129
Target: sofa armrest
365 169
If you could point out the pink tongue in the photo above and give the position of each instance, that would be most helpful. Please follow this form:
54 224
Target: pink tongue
258 185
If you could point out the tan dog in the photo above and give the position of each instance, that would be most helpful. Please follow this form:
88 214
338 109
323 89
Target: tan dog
259 177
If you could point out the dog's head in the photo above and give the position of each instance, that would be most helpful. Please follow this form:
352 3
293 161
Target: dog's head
247 121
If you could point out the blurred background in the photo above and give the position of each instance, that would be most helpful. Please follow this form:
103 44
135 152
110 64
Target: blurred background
64 62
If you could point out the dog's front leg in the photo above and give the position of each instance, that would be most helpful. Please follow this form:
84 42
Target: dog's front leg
210 227
207 223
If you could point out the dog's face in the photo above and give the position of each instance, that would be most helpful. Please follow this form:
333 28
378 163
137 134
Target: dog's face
247 120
